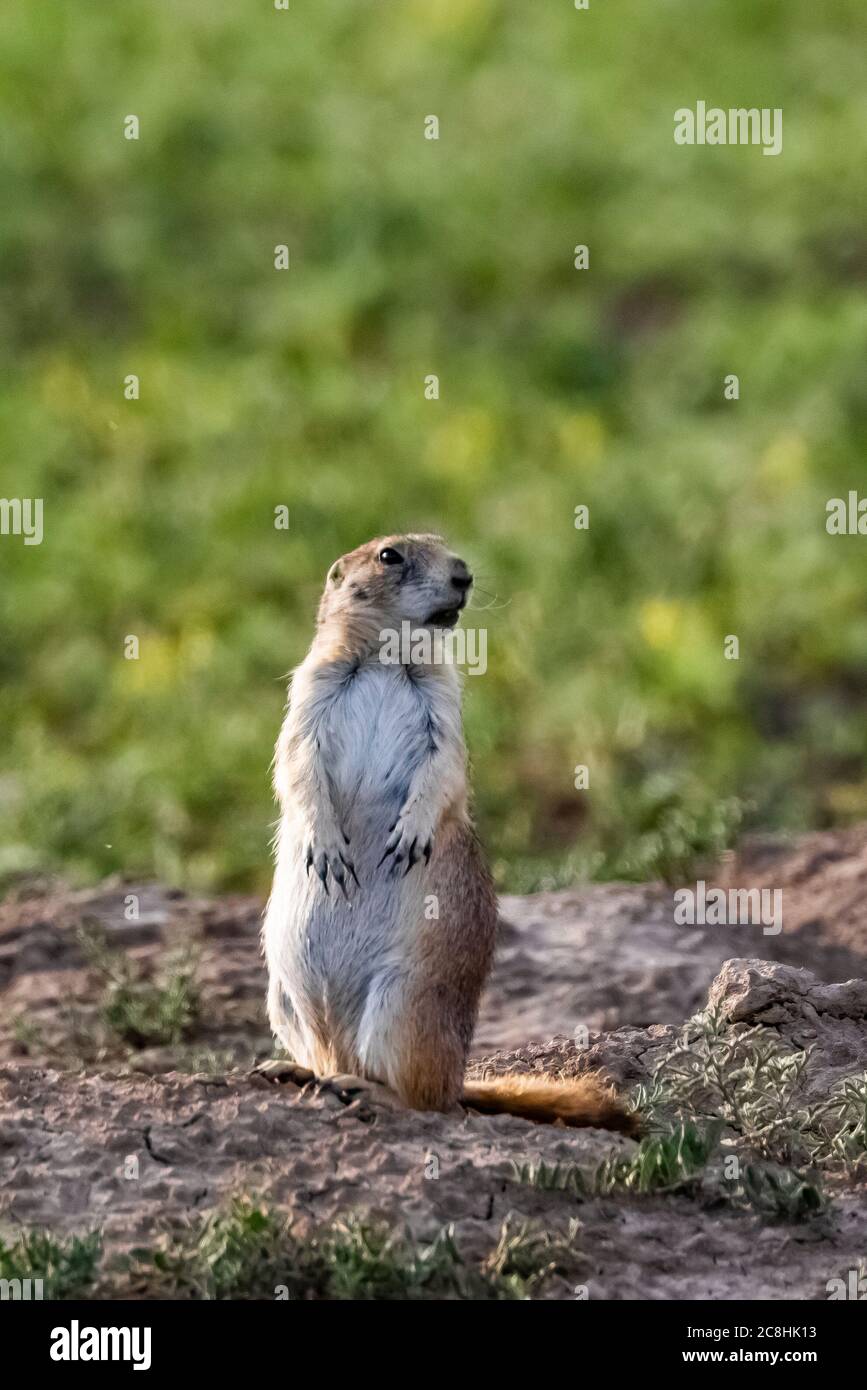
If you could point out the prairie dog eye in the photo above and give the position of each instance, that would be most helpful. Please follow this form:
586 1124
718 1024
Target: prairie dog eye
388 556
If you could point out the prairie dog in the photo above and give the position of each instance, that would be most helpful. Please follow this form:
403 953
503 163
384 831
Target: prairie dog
380 927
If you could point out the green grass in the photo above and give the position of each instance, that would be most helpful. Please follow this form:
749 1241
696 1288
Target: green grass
246 1251
730 1115
67 1266
745 1077
663 1163
748 1080
138 1011
685 1161
746 1085
782 1193
841 1123
262 388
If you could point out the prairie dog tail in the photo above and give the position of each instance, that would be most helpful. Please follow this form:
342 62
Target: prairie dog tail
580 1101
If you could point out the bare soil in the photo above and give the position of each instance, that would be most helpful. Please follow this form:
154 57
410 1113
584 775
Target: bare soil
74 1105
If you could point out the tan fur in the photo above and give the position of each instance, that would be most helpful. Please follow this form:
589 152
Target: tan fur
417 1038
579 1102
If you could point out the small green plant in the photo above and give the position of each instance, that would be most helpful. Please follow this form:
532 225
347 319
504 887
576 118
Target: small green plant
67 1267
677 836
750 1080
781 1193
745 1077
554 1177
141 1012
525 1257
239 1251
245 1251
840 1124
360 1259
26 1033
680 1162
672 1162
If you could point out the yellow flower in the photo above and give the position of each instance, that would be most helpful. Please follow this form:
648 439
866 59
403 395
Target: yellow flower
582 437
444 15
783 465
463 445
660 621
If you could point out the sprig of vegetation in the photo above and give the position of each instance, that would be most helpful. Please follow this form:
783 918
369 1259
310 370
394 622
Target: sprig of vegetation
673 1162
682 1161
144 1012
838 1128
245 1250
525 1257
554 1177
749 1081
781 1193
745 1077
67 1265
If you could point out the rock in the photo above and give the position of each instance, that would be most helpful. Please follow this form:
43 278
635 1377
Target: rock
763 991
803 1011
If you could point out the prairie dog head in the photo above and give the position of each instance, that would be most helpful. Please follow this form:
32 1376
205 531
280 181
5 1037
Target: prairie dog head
392 580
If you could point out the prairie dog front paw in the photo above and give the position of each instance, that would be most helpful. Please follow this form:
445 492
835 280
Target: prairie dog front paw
410 841
330 854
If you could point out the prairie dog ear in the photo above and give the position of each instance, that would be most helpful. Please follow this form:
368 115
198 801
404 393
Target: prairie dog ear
335 574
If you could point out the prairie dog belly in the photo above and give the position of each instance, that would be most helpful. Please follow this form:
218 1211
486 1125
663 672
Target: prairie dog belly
376 734
332 956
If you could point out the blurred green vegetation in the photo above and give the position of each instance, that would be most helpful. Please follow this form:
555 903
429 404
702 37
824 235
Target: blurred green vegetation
558 387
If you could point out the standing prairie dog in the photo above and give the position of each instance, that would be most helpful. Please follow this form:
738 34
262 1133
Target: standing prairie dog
380 927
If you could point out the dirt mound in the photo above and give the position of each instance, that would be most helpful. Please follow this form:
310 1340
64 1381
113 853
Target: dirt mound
598 957
132 1154
823 881
99 1130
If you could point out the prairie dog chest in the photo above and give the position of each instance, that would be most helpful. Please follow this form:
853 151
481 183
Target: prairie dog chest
376 732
